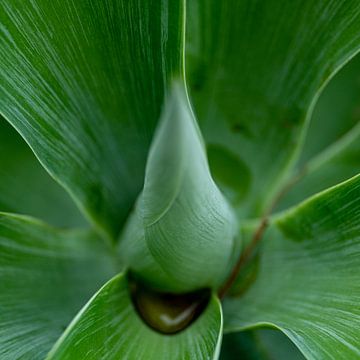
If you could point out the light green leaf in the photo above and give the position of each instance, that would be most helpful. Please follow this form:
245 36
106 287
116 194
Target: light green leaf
108 327
26 188
331 152
46 276
83 82
307 283
255 69
188 227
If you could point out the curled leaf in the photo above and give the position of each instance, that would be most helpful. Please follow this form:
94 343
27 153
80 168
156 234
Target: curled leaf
188 227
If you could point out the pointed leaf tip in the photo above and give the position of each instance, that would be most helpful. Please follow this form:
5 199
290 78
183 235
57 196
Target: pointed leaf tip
188 227
177 149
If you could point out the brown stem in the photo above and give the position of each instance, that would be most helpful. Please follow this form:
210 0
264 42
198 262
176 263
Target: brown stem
249 250
245 255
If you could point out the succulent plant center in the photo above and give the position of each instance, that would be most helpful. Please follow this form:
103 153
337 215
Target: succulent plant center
182 234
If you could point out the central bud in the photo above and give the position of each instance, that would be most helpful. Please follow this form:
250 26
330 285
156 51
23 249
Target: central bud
181 234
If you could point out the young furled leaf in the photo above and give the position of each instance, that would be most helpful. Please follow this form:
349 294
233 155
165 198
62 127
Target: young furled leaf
189 229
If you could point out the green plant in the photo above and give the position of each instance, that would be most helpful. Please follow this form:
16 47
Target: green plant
179 251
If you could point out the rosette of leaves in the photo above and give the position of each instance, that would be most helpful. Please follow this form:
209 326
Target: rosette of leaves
215 169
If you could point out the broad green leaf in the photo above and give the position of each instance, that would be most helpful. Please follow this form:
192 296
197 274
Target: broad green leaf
83 82
108 327
331 152
307 283
259 344
255 69
189 229
46 276
26 188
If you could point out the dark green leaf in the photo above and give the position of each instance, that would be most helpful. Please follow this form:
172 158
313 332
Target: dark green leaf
242 345
336 112
26 188
331 152
278 346
259 344
337 163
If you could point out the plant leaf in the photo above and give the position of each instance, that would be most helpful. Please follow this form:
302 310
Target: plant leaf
259 344
277 345
307 283
83 82
45 278
108 327
26 188
337 163
189 229
331 153
254 70
242 345
335 113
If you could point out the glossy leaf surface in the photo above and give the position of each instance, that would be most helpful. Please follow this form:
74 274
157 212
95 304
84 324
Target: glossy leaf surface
307 283
46 276
108 327
83 82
